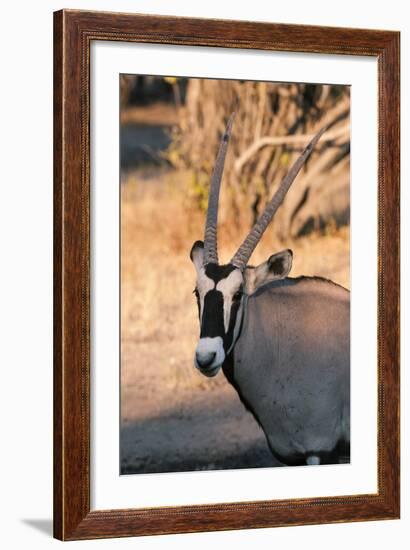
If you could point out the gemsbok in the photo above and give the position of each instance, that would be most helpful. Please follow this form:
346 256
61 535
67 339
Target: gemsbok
282 342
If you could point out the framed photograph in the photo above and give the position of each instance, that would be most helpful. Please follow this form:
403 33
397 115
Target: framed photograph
226 275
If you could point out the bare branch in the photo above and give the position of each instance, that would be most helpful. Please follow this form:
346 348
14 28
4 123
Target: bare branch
300 139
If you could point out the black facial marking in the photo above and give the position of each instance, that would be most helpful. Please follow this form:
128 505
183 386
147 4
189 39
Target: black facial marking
213 315
228 339
238 295
218 272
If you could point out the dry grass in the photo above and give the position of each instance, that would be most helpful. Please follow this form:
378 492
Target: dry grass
157 276
160 327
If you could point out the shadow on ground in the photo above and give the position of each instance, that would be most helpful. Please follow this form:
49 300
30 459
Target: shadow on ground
208 435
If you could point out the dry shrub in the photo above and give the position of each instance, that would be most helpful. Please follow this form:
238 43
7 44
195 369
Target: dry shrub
273 123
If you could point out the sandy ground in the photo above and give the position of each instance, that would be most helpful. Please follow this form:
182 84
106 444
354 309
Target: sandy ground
173 418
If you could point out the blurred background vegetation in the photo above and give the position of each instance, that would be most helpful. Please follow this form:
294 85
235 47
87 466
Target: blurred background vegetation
173 418
273 123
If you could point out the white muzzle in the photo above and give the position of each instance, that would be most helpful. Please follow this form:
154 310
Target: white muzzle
209 355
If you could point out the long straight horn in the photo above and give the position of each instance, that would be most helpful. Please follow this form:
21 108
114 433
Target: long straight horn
241 258
210 241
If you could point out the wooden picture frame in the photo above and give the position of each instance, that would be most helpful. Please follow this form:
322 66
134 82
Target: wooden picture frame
73 33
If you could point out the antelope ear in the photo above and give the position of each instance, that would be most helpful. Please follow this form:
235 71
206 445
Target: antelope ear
197 254
276 267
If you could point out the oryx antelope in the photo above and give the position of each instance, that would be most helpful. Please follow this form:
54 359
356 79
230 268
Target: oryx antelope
283 343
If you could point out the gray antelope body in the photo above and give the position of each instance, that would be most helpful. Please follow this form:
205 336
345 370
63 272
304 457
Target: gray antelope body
283 343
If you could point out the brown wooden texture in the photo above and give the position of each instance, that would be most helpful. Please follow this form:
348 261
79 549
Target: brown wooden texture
58 280
73 32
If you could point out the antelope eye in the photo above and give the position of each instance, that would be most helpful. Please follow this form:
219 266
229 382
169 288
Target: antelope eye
195 291
237 296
